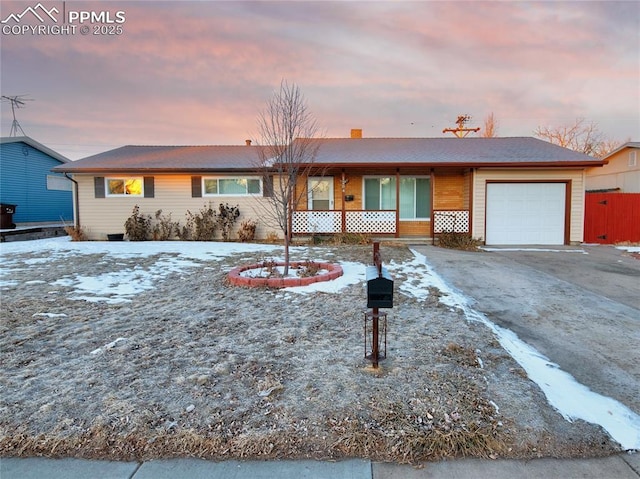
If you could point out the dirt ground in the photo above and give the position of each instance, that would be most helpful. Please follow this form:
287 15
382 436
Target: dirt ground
196 367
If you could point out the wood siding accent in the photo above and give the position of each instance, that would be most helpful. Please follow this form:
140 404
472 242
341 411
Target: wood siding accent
449 192
574 178
415 228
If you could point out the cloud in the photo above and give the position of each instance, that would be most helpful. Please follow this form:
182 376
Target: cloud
201 71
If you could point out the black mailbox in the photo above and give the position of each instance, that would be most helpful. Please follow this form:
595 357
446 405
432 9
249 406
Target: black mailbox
379 288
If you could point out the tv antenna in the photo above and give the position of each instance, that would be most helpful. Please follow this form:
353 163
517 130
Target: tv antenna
461 131
17 101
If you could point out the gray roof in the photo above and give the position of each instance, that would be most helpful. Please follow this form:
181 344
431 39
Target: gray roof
468 152
168 159
34 144
448 151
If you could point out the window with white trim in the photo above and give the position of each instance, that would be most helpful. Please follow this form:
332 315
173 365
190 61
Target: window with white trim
632 158
231 186
415 196
124 186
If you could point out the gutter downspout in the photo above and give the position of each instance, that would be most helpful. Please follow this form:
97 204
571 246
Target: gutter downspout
76 204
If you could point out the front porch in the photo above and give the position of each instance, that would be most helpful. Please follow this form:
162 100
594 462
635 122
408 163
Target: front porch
372 222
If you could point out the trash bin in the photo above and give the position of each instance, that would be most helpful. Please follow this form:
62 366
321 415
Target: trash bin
6 216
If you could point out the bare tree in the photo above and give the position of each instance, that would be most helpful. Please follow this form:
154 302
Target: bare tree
581 136
289 146
490 129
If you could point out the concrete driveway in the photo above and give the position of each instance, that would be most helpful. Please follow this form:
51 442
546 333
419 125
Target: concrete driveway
579 306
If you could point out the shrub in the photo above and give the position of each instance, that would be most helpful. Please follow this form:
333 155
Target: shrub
308 268
463 241
351 239
164 228
227 217
201 226
272 237
76 233
138 226
247 231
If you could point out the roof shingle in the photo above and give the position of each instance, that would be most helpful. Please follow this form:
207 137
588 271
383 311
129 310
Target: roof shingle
468 152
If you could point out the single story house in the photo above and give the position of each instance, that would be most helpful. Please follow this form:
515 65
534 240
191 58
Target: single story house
501 190
621 172
27 182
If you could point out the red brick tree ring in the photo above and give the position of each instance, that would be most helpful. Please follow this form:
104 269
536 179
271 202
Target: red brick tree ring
331 272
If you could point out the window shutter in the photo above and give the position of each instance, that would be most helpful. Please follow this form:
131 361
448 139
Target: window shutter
98 186
196 186
267 186
149 185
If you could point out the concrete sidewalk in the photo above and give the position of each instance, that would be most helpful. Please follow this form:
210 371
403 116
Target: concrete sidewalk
622 466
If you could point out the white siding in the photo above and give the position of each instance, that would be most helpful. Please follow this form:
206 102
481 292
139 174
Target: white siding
575 178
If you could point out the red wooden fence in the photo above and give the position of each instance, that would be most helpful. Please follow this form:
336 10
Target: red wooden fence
612 217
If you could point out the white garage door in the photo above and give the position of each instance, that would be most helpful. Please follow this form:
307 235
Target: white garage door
525 213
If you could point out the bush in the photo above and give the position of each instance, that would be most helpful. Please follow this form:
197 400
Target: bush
350 239
308 268
247 231
164 228
272 237
463 241
138 226
227 217
76 233
201 226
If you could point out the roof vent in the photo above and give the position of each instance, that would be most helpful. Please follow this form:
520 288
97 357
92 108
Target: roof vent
247 142
356 133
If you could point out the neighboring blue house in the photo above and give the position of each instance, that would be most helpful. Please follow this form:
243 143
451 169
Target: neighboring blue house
26 180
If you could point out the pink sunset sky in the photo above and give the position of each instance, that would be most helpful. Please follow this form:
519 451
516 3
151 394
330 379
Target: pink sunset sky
185 72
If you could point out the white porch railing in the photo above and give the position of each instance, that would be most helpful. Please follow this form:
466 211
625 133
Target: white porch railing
354 221
371 222
450 221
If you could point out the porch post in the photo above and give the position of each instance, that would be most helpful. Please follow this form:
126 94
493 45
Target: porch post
397 235
433 217
343 182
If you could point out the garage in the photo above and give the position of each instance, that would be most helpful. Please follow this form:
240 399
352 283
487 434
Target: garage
526 213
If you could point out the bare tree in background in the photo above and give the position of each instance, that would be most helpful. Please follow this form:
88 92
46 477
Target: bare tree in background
289 146
581 136
490 129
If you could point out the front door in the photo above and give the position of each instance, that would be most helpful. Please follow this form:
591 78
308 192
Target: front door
320 193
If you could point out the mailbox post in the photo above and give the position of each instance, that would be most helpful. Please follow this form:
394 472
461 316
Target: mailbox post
379 295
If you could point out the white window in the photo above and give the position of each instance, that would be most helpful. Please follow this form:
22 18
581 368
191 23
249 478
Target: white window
415 196
58 183
632 158
227 186
124 186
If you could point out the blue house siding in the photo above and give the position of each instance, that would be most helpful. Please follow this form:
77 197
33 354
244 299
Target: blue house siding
23 182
